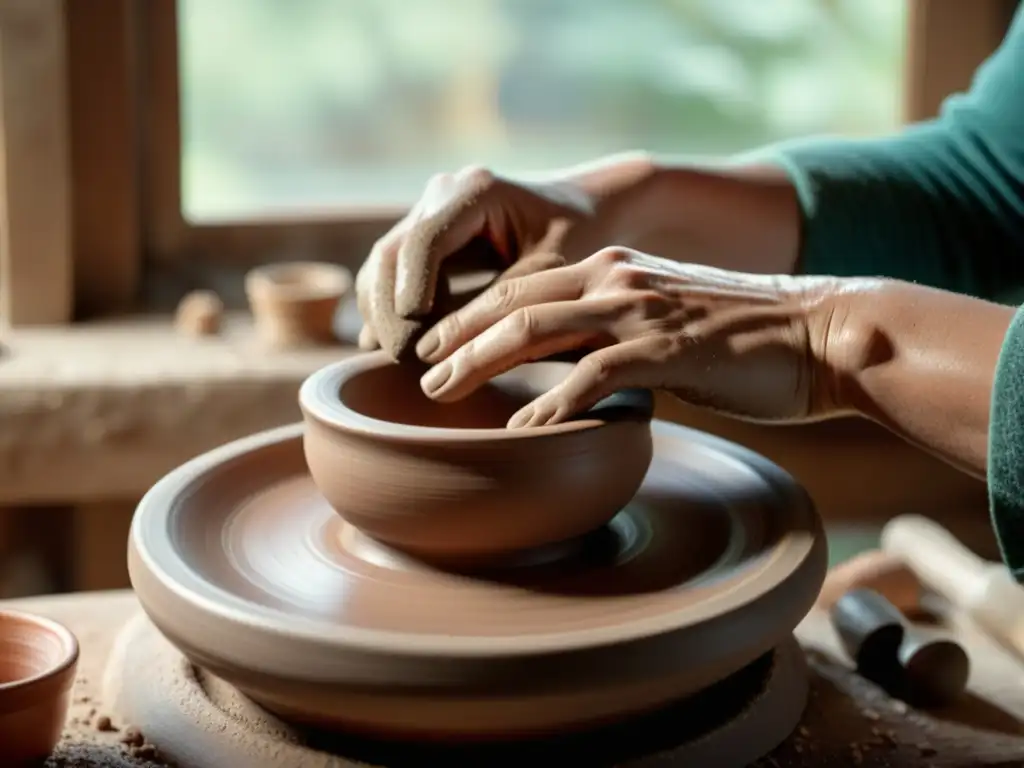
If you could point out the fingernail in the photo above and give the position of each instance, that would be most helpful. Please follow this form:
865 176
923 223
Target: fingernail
521 418
428 345
436 377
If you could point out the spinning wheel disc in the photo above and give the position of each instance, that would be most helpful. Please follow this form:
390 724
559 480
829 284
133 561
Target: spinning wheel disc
240 562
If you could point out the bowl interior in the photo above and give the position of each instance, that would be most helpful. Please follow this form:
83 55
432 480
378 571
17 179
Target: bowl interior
392 393
30 648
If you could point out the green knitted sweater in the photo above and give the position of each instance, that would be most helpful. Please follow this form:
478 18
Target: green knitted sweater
941 204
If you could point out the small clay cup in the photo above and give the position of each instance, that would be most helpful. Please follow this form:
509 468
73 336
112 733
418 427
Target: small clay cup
294 303
38 659
449 482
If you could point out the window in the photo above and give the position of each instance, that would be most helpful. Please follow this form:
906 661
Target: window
190 136
352 103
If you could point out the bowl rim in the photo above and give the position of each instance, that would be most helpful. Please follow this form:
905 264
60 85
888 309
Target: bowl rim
70 650
263 279
318 401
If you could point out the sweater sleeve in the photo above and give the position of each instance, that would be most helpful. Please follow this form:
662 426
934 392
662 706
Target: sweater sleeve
1006 449
941 203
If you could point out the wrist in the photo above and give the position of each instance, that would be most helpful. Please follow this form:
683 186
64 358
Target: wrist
844 340
919 360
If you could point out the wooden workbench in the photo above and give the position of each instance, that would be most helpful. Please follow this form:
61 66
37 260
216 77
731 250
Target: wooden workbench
848 721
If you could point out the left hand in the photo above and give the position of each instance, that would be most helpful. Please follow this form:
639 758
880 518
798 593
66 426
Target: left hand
748 345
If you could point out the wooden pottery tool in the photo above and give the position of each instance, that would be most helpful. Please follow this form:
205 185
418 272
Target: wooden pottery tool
241 562
983 590
38 659
916 664
875 569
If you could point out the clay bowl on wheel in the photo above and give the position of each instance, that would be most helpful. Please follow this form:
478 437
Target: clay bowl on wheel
449 481
38 659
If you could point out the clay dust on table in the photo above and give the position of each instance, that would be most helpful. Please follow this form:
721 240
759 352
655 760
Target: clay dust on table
130 749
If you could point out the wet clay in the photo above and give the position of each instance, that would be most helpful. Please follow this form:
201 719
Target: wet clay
38 658
460 279
448 482
198 720
244 566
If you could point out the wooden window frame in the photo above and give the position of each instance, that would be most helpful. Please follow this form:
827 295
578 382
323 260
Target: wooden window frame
345 235
91 166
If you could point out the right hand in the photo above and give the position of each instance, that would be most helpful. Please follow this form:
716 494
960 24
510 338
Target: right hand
535 226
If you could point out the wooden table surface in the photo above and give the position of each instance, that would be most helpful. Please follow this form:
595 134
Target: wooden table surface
848 721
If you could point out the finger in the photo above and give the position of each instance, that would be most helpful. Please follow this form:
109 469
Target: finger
391 331
634 363
367 339
375 280
493 305
364 283
530 333
448 222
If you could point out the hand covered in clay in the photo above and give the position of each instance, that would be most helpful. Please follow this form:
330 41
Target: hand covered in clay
475 219
749 345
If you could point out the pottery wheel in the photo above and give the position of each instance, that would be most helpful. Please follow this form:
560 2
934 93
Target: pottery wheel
197 720
245 568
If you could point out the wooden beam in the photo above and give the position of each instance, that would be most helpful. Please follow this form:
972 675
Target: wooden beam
104 146
35 239
946 42
165 231
99 536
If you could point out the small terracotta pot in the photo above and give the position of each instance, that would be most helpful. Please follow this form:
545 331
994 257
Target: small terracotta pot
38 659
449 481
293 303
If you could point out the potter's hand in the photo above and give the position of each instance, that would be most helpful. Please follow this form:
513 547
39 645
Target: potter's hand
749 345
474 210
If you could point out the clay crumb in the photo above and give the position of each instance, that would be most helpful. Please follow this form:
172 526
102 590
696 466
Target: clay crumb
145 752
199 314
133 736
104 724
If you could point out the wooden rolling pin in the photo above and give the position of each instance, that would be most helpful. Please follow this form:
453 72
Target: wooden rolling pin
982 589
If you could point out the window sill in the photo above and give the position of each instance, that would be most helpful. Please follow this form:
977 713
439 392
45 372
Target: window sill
102 410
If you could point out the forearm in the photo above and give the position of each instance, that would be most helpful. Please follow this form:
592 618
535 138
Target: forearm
920 361
742 218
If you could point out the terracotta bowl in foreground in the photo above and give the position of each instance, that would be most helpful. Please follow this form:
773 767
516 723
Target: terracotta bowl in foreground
38 659
449 481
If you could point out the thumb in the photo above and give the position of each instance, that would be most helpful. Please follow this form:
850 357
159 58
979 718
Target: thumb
598 375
